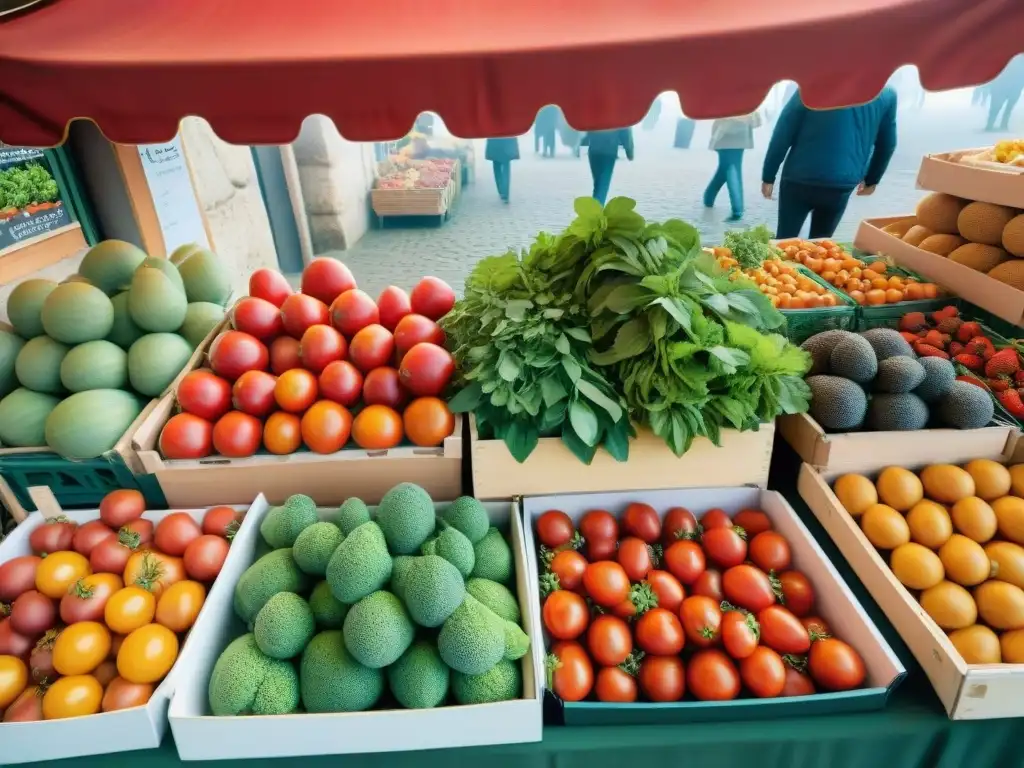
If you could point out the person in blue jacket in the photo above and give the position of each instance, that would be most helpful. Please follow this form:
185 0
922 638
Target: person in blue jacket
602 154
825 155
501 153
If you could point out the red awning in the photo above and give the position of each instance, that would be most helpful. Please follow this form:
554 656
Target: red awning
256 69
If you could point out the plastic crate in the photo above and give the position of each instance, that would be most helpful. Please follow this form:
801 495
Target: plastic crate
801 324
888 315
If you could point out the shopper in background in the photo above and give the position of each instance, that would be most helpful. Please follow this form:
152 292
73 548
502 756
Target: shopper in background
825 155
1004 93
545 130
602 154
501 153
729 137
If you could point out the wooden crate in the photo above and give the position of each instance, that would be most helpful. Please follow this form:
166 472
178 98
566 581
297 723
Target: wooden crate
417 202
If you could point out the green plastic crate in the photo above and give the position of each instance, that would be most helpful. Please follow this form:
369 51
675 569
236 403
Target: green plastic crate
801 324
888 315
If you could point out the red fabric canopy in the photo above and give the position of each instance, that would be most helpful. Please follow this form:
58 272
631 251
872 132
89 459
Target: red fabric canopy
256 69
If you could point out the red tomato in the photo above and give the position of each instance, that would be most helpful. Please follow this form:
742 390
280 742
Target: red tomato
834 665
769 551
352 311
659 632
111 555
432 297
18 574
382 387
371 348
121 507
253 393
415 329
52 536
565 614
325 279
601 549
282 433
573 674
393 304
185 436
797 683
143 528
175 532
702 620
13 644
300 311
635 558
709 584
606 583
715 518
555 529
712 676
685 561
609 640
724 546
748 587
614 684
341 382
782 631
237 435
204 557
569 566
284 354
740 633
296 390
233 353
320 346
797 592
753 521
326 427
662 678
679 524
426 369
32 613
667 589
598 524
269 285
642 521
816 625
222 521
257 317
763 673
88 536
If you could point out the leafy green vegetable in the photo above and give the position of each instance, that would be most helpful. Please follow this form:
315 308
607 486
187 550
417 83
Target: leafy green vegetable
751 247
26 185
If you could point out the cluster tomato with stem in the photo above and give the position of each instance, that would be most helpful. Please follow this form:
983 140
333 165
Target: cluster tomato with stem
642 605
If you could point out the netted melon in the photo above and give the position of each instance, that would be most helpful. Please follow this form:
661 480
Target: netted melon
938 212
943 245
77 312
25 306
1010 272
110 265
900 228
1013 236
23 418
916 234
984 222
978 256
154 301
88 424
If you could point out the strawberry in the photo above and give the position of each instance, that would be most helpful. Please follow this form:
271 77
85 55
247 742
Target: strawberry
947 311
968 331
949 325
913 322
971 362
999 385
1018 377
955 348
972 380
982 346
935 339
909 336
1003 363
1010 400
927 350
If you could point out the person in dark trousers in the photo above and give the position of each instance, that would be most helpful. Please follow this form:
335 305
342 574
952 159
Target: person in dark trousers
501 153
545 130
602 154
825 155
1004 93
729 137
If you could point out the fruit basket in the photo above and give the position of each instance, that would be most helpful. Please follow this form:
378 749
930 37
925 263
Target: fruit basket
836 605
409 190
803 323
998 183
888 315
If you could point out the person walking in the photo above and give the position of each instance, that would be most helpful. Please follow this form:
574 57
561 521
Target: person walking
1004 93
602 153
825 155
546 128
729 137
501 153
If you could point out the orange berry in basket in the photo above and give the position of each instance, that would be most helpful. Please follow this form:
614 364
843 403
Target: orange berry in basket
879 282
784 300
877 266
829 300
856 272
858 296
914 291
895 281
829 275
875 297
796 303
893 296
930 290
851 286
830 264
814 302
815 265
774 300
850 263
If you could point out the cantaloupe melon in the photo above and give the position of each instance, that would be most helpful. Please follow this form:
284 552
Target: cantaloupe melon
154 302
980 257
154 361
167 268
94 365
943 245
182 252
938 212
38 365
124 332
88 424
201 317
900 228
1010 272
109 265
23 418
1013 236
205 277
10 346
25 306
74 313
916 234
984 222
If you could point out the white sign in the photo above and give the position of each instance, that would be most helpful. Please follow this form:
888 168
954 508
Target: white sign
177 209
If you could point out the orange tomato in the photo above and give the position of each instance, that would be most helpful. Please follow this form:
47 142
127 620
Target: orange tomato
377 427
914 291
105 672
326 426
877 266
815 265
13 679
129 608
147 654
282 433
828 300
875 297
858 296
153 571
296 390
893 295
121 694
80 648
828 275
895 281
428 421
796 302
58 571
180 604
72 696
784 303
879 283
931 291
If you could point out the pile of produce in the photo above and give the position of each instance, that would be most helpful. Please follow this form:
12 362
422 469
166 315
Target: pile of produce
953 537
642 608
875 380
408 600
782 282
983 236
94 617
1007 152
85 356
618 320
430 173
317 367
28 187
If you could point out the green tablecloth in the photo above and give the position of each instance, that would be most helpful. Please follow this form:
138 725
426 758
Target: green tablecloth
912 732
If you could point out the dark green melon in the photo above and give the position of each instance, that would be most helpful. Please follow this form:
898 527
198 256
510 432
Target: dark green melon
23 418
38 365
77 312
10 345
154 302
94 365
110 265
25 306
154 361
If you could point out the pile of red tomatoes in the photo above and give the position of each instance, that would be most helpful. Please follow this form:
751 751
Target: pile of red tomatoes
319 367
645 608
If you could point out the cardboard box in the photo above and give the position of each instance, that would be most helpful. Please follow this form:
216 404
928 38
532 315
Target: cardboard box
129 729
835 603
840 451
986 182
967 691
1001 300
202 736
742 459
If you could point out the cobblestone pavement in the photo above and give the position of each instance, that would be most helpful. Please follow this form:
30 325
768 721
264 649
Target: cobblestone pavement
665 182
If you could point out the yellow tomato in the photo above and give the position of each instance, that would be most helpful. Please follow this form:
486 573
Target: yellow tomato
147 654
180 604
154 571
128 609
1012 646
1000 604
58 571
80 648
977 644
73 696
13 679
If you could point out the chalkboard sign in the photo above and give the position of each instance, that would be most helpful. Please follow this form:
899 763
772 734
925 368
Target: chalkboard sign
30 198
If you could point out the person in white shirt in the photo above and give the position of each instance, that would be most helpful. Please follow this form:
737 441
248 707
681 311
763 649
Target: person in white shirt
729 138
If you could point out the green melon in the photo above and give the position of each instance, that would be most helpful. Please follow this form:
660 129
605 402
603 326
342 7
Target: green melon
205 278
38 365
77 312
94 365
23 418
25 307
155 304
76 279
167 268
182 252
10 345
88 424
110 265
124 332
201 317
154 361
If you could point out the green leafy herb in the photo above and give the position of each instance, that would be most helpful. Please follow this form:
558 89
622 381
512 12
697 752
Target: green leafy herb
751 247
23 185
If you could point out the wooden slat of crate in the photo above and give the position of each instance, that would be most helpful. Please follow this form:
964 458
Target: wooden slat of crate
409 202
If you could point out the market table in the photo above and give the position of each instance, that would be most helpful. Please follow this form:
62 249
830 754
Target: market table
912 732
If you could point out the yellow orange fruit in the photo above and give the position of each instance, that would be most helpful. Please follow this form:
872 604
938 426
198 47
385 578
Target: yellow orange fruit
950 605
965 561
1012 646
884 527
991 479
916 567
899 488
1009 512
977 644
930 524
947 483
1016 479
1000 604
1007 561
855 492
974 518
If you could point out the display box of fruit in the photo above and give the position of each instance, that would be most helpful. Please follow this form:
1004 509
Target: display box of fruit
939 547
705 604
365 629
101 613
991 174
